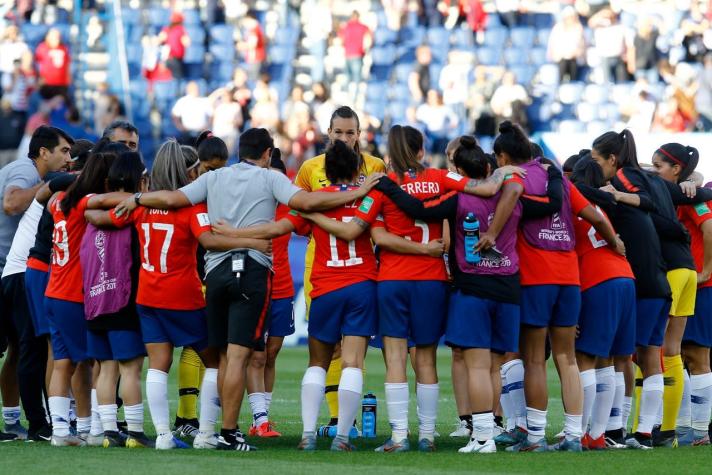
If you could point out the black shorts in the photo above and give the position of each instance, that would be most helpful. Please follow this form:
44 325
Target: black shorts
238 313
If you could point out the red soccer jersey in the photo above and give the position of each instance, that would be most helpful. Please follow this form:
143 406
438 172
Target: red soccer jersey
393 266
540 267
65 277
168 278
597 261
282 285
693 217
53 64
337 263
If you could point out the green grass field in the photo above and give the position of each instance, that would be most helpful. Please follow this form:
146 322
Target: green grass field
280 455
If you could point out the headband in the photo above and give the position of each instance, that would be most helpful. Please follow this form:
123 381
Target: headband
672 157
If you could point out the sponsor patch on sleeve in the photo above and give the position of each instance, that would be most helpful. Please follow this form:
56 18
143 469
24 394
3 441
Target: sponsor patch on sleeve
702 209
454 176
203 219
366 204
293 212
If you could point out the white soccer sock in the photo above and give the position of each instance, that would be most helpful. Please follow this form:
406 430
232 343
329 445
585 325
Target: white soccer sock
588 382
72 407
701 395
10 415
514 374
615 421
625 412
605 393
107 414
651 400
268 401
397 395
350 388
134 417
684 417
427 395
313 384
259 408
506 402
483 426
572 426
157 396
209 401
536 424
96 425
84 424
59 411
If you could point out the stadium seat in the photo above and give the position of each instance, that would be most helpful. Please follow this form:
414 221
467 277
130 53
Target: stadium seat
549 75
586 112
279 55
571 93
376 108
223 34
412 36
523 73
543 20
488 56
595 94
33 34
383 55
523 36
131 16
402 72
401 93
515 56
196 34
609 111
159 17
138 88
134 53
191 17
222 52
165 91
194 54
380 72
284 36
405 54
384 36
438 38
133 34
463 38
542 37
376 91
598 127
496 37
571 127
537 56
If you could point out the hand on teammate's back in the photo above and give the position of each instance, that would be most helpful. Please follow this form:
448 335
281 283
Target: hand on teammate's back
220 227
436 247
369 183
688 188
126 206
513 170
619 247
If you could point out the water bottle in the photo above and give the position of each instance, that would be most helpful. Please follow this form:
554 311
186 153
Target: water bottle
471 227
368 416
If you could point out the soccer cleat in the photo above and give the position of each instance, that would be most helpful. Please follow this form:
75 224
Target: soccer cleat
477 447
394 447
67 441
685 436
266 430
498 429
205 440
699 441
307 444
43 434
139 440
639 441
666 438
511 437
17 429
462 430
615 437
567 445
525 446
342 446
187 430
6 437
91 439
169 441
595 444
239 445
113 439
123 428
426 445
613 443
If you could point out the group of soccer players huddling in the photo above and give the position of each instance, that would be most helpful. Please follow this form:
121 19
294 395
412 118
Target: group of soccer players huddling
603 265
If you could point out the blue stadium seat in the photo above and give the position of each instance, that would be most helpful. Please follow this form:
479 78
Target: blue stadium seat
515 56
438 38
376 109
134 53
571 93
396 111
194 54
463 38
542 37
196 34
380 72
191 17
223 34
284 36
598 127
165 91
141 108
194 70
279 55
383 55
66 31
384 36
138 88
523 36
496 37
412 36
159 17
133 34
595 94
401 93
610 111
376 91
489 56
586 112
537 56
223 70
62 17
131 16
33 34
571 127
222 52
543 20
549 75
523 73
402 72
405 54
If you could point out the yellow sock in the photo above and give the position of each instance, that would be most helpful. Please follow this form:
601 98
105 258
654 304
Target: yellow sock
190 370
331 393
636 396
672 395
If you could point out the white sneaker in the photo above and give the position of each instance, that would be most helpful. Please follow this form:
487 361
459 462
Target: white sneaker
461 431
205 440
474 447
92 440
67 441
168 441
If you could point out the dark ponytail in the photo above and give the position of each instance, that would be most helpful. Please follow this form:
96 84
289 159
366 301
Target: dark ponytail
126 173
570 162
621 145
513 141
340 162
404 143
588 172
211 147
470 158
677 154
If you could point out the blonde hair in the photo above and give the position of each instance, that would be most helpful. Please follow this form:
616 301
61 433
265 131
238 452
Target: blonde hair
169 170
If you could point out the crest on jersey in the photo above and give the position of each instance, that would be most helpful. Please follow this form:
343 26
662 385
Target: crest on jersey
361 179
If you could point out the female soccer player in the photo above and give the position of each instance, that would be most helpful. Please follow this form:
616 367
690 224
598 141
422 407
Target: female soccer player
212 152
114 334
551 296
674 162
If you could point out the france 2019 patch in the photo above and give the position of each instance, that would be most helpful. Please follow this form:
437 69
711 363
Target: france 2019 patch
702 209
366 204
203 219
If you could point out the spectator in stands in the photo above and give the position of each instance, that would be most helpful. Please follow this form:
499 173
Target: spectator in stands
508 11
454 79
642 52
53 61
10 132
394 10
11 49
175 37
471 11
107 107
478 102
264 112
253 45
227 119
567 45
694 28
16 87
322 106
668 117
357 39
241 91
509 100
191 113
419 82
703 98
610 38
641 110
439 120
295 104
316 16
124 132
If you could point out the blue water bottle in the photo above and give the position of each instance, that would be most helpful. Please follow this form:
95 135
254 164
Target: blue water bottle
368 416
471 226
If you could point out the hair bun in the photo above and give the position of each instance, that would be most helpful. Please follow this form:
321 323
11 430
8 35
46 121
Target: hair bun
468 142
506 127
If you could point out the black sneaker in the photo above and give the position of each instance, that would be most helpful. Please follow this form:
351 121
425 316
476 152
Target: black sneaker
616 436
43 434
639 441
238 443
6 437
113 439
664 438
